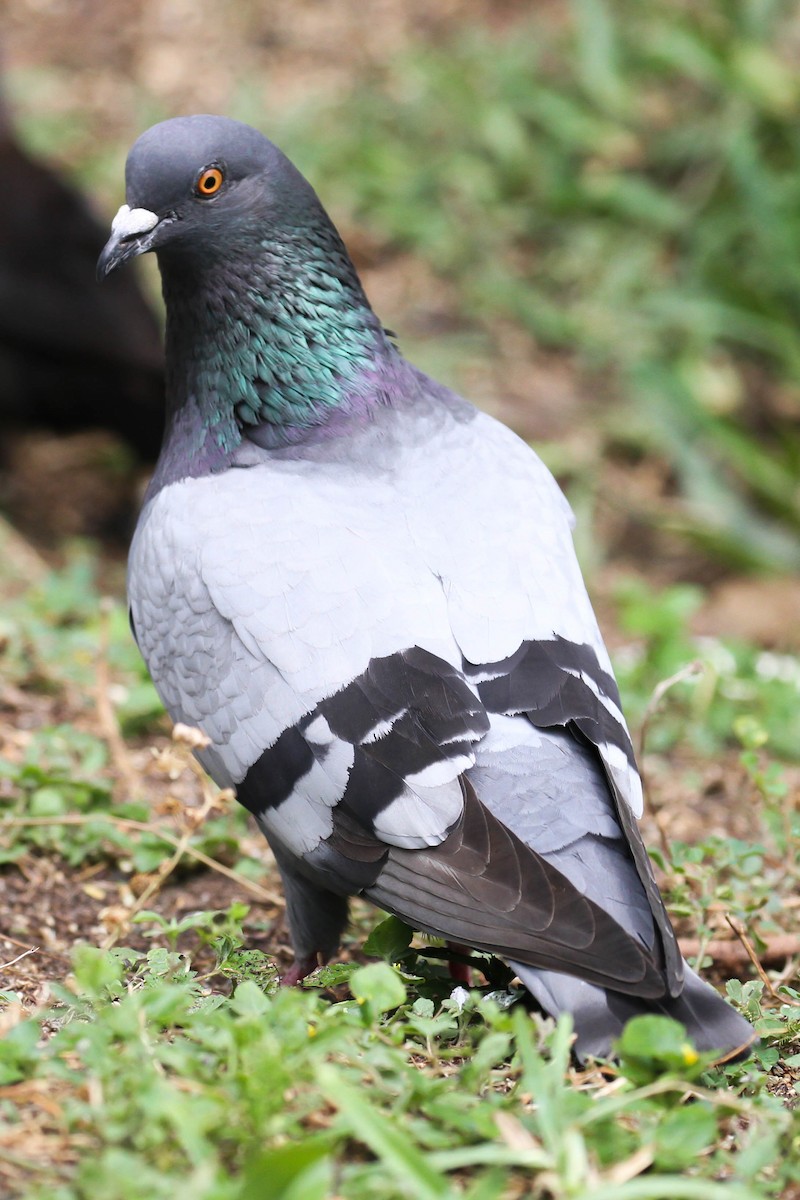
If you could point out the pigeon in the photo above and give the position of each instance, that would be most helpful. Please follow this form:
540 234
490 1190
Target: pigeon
363 590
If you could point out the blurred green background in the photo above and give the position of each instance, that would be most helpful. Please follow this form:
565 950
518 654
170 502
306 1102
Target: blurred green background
585 215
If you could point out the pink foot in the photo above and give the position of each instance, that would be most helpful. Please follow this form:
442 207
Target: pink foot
299 969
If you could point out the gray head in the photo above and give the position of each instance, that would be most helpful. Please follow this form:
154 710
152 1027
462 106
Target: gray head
268 332
204 181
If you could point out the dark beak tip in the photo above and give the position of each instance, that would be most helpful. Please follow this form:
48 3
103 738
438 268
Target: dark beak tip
116 252
108 261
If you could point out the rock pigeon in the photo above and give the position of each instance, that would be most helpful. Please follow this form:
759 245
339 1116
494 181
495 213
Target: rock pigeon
364 591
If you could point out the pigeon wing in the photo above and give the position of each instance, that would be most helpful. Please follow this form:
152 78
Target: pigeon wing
344 643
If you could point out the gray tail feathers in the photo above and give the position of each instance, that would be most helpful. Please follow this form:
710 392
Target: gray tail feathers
599 1016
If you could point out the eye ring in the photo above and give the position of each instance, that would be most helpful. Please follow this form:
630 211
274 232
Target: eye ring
209 182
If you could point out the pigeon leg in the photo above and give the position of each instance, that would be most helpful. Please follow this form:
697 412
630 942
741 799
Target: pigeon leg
459 971
316 918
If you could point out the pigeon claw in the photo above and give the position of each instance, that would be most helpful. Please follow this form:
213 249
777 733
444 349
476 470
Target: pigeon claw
300 968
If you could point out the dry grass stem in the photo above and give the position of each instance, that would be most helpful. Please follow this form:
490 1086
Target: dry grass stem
32 950
124 772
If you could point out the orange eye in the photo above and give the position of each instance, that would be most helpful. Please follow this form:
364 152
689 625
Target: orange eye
209 182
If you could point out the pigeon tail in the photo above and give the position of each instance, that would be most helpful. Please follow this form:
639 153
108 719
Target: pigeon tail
711 1024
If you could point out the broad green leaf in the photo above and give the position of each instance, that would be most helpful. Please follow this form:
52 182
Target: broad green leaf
378 986
389 939
299 1171
249 1001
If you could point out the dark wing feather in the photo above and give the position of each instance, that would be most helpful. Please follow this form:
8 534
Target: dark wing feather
486 888
405 728
408 716
556 682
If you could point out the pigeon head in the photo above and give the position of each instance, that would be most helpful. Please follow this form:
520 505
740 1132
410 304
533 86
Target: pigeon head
204 187
269 332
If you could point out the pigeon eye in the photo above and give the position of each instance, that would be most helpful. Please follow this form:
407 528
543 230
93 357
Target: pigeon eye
209 182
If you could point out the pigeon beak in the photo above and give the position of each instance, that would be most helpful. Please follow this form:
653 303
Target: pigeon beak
129 237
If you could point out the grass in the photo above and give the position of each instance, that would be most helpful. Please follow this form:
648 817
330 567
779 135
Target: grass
737 692
162 1085
172 1066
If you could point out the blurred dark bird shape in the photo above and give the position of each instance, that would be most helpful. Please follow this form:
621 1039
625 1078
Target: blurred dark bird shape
71 358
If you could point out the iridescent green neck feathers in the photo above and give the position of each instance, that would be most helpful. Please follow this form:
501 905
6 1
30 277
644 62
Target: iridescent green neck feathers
274 337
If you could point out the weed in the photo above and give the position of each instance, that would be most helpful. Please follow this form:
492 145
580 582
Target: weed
178 1086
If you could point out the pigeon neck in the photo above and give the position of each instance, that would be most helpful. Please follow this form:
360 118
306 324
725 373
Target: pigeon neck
268 346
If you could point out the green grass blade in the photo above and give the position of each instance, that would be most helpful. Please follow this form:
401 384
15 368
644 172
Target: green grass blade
387 1141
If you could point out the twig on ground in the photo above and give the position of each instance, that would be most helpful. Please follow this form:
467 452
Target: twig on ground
31 950
6 937
741 934
733 955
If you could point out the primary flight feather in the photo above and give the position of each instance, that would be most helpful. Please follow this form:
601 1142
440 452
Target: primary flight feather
364 591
